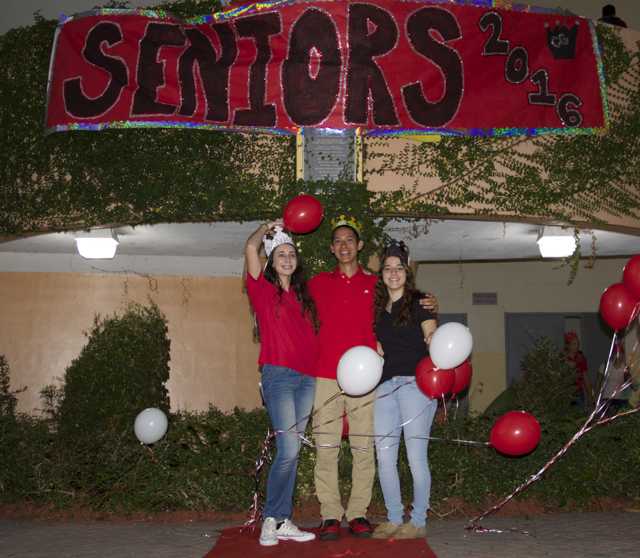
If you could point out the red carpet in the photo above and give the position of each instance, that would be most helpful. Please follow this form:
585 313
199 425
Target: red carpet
234 544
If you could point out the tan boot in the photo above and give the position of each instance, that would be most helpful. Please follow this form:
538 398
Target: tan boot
410 531
385 530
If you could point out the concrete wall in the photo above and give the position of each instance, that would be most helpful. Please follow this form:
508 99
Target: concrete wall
213 357
526 286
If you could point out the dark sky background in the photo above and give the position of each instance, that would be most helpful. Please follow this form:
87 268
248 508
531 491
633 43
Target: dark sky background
16 13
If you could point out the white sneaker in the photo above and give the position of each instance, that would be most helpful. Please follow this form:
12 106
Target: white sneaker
289 532
268 533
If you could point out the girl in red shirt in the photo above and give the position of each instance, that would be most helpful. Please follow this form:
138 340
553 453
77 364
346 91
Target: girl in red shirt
287 322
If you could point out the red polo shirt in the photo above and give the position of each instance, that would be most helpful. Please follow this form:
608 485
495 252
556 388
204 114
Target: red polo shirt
286 335
345 310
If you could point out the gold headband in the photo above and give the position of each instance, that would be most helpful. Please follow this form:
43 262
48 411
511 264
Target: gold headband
346 221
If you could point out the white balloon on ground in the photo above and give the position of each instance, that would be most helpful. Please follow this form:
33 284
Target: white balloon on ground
450 345
359 370
150 425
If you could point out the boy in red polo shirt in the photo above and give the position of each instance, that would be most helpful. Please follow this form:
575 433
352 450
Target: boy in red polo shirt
344 302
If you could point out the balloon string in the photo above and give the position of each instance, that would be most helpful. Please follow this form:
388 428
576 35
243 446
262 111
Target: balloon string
400 427
634 314
605 375
255 510
484 530
153 455
431 438
633 358
594 419
352 411
315 428
455 441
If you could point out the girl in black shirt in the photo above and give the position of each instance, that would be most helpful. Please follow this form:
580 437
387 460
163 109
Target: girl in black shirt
403 329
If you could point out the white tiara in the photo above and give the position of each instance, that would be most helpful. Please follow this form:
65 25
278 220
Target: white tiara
272 241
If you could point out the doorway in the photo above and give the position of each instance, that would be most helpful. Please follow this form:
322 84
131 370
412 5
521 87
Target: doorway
523 329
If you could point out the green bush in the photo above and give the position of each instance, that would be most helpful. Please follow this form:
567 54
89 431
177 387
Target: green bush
8 399
603 463
547 388
206 462
13 444
92 449
548 385
207 459
122 370
600 464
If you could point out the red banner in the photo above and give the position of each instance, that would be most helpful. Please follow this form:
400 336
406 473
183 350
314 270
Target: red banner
382 66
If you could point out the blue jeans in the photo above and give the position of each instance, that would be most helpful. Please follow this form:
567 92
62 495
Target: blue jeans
407 403
289 398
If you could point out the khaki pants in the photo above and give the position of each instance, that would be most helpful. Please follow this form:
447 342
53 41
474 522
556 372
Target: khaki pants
327 427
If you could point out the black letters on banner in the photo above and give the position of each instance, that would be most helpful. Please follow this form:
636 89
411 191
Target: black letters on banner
76 102
191 73
260 27
542 96
567 109
516 68
561 43
308 100
214 73
363 74
494 45
419 24
150 71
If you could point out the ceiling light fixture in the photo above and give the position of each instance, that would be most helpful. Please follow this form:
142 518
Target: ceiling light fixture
100 244
556 242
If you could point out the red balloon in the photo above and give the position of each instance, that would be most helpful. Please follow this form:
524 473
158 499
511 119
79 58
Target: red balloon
461 377
303 214
631 277
616 306
434 382
515 433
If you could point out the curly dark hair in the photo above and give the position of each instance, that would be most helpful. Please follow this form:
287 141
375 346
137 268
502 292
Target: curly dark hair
408 297
298 284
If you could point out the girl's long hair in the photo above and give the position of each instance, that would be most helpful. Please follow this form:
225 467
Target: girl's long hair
299 285
408 296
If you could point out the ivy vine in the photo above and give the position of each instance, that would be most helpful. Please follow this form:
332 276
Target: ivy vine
77 180
556 177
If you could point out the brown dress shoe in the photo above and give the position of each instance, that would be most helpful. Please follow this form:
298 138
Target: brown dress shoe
385 530
410 531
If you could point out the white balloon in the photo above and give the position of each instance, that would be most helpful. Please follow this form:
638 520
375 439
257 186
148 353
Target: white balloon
450 345
359 370
150 425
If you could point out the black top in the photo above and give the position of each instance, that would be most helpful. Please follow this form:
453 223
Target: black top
403 346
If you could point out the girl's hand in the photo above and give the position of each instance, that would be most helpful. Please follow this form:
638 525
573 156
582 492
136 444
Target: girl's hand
271 225
429 302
